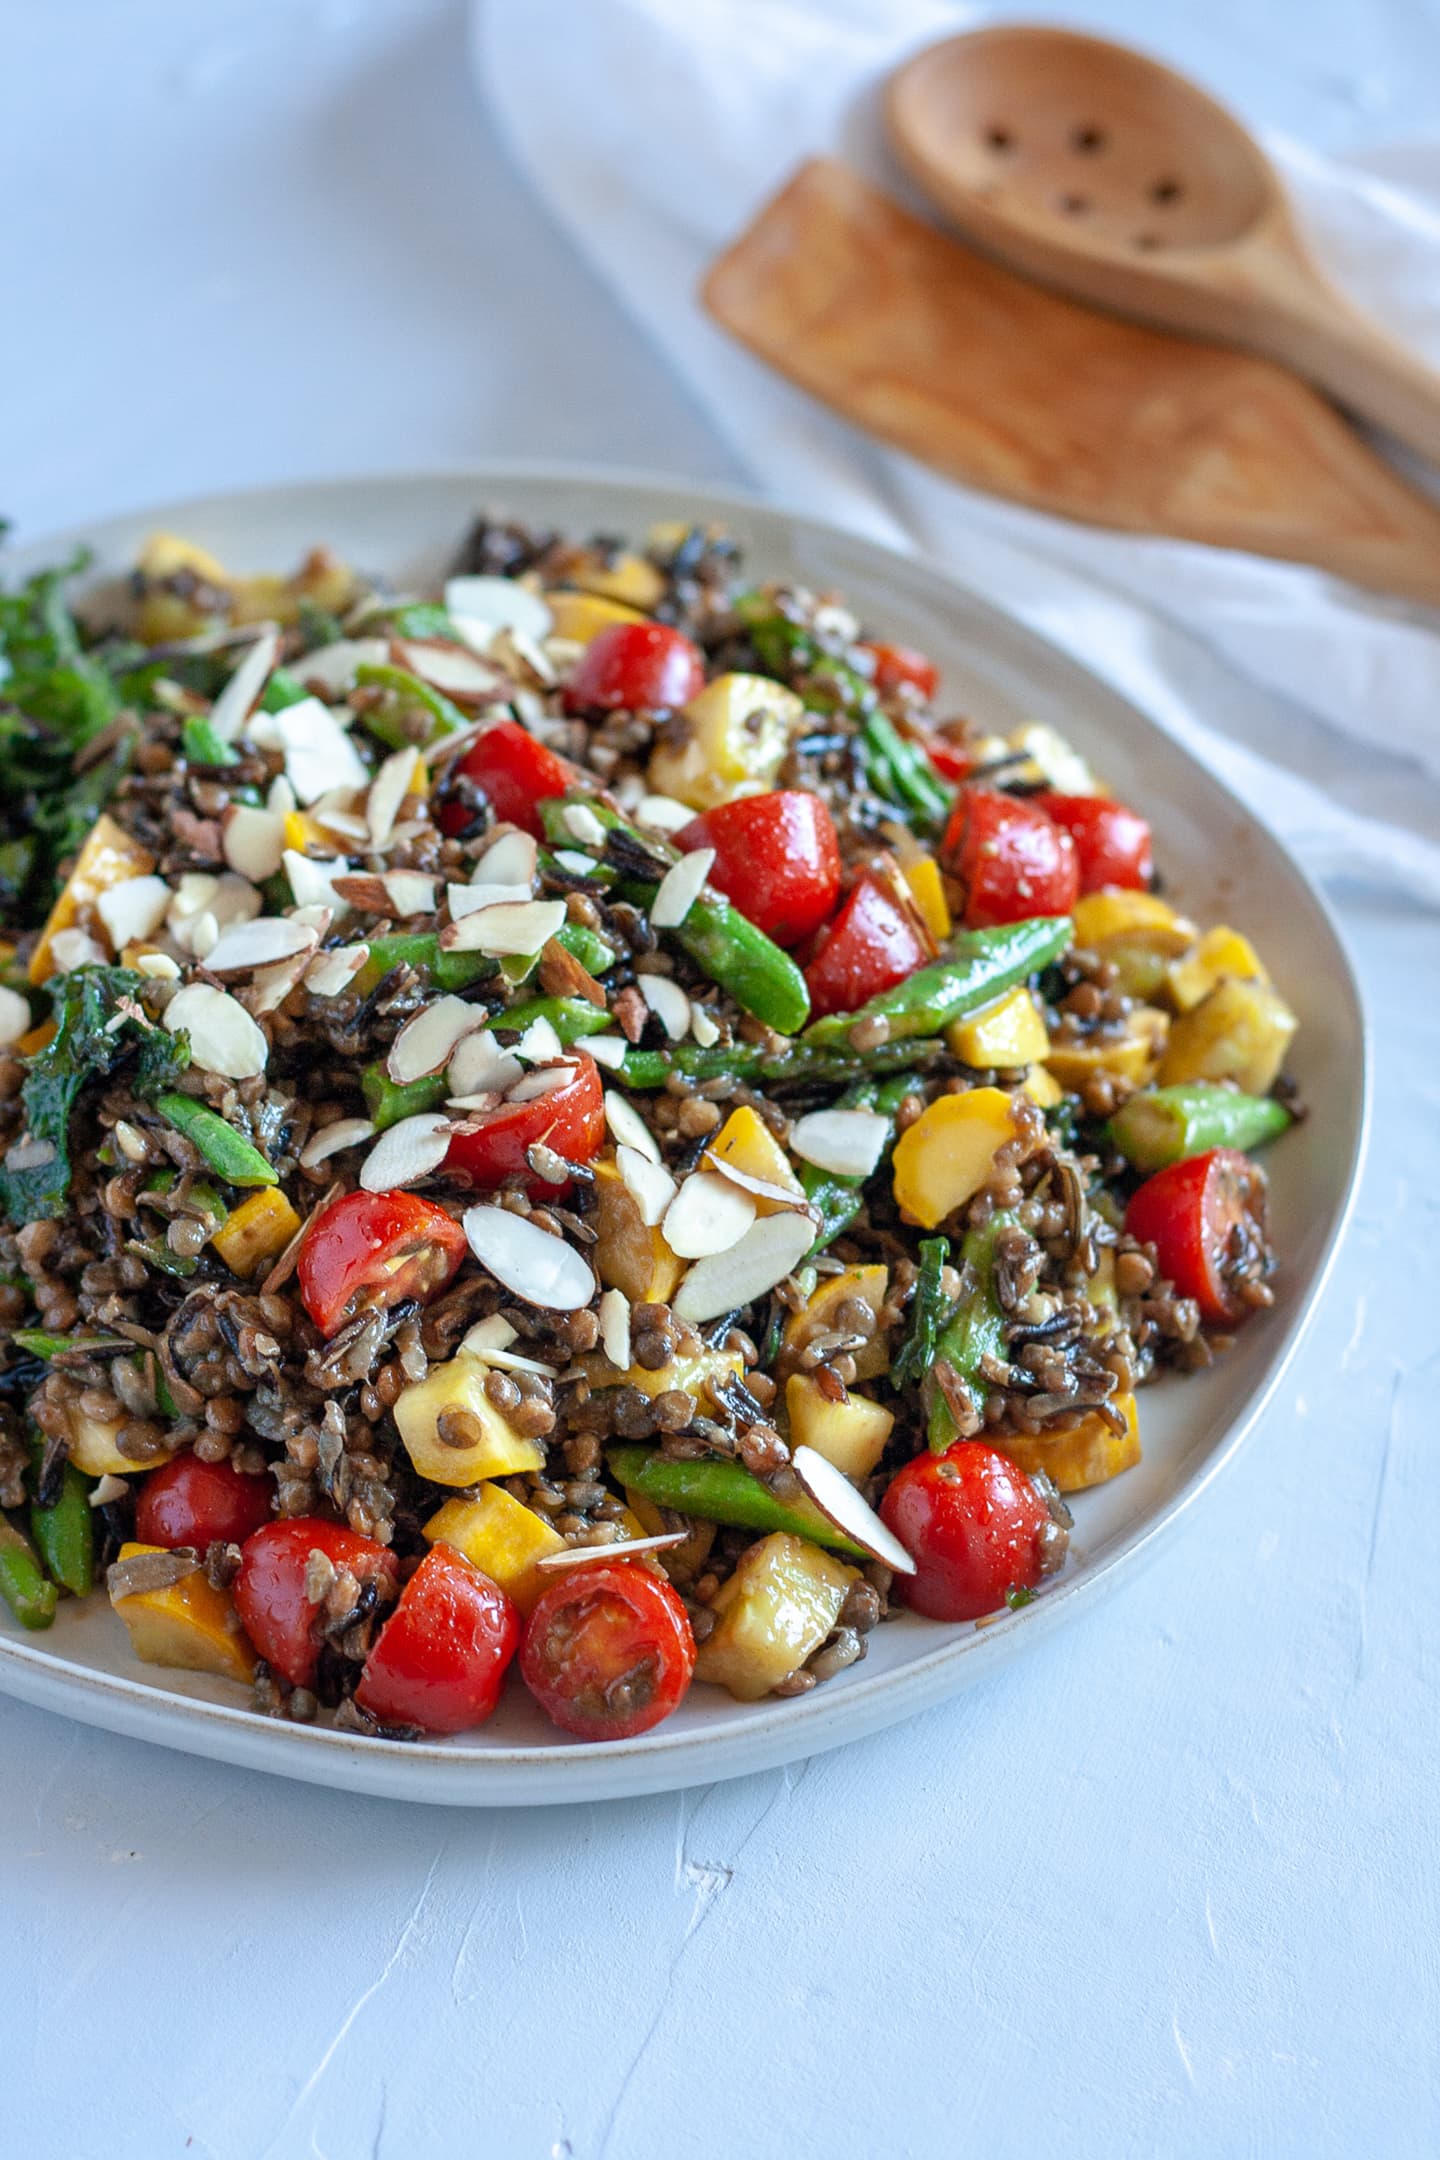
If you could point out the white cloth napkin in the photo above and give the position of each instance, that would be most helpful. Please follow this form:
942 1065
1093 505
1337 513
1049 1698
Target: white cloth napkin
654 129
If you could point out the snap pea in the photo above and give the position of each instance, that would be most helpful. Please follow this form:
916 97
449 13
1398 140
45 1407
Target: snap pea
975 1330
752 1061
282 689
732 951
594 953
571 1018
901 771
22 1580
229 1154
837 1199
977 966
64 1529
1166 1125
387 722
200 745
420 949
929 1311
723 1492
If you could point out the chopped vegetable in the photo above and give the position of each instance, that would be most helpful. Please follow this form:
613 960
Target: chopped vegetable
978 968
723 1492
772 1614
23 1585
974 1331
186 1623
976 1527
502 1537
949 1152
1240 1031
259 1229
229 1154
62 1524
452 1430
1088 1453
1164 1125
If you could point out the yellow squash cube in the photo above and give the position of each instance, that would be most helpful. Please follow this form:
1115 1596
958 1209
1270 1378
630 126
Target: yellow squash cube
1131 1056
683 1375
773 1613
731 740
259 1229
1042 1087
109 857
870 1286
746 1141
1220 952
629 581
945 1157
93 1449
851 1434
502 1537
630 1254
497 1450
1009 1033
580 616
1085 1454
927 890
190 1625
1240 1031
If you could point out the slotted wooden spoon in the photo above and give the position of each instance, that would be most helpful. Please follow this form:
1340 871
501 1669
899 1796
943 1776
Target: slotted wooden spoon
1098 170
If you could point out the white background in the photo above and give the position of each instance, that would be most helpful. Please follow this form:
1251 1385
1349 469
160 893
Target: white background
1167 1886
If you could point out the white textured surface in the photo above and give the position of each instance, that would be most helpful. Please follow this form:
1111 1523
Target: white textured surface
1166 1886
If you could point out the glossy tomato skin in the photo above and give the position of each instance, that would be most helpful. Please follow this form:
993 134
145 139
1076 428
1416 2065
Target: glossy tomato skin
269 1590
515 773
633 666
975 1527
1013 860
189 1502
440 1658
900 666
1196 1214
871 945
1112 843
947 757
776 857
376 1248
491 1146
608 1650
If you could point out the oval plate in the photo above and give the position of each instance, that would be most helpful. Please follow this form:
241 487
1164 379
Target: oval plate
1223 866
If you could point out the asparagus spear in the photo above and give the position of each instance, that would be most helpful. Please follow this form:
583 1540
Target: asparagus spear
1161 1126
978 966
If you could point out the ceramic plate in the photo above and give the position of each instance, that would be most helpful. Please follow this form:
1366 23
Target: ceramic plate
1221 865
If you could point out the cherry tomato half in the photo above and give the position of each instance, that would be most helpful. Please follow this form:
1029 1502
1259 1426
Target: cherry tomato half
975 1527
569 1117
375 1249
871 945
1013 861
631 666
776 857
898 665
608 1651
1206 1221
948 758
189 1502
270 1594
515 773
1112 844
440 1658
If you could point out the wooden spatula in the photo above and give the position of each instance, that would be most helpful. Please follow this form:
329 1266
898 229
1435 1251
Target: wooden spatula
916 338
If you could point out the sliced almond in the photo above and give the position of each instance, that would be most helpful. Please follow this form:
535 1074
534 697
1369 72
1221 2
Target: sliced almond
479 1065
662 813
224 1039
577 864
521 656
427 1042
332 668
668 1002
848 1143
607 1050
627 1125
316 884
512 1361
232 708
406 1152
464 900
330 974
621 1549
319 755
770 1248
269 987
15 1019
582 824
512 859
158 966
388 790
531 1263
133 909
708 1215
496 603
346 1132
204 932
648 1183
615 1328
702 1027
545 1080
259 943
680 888
758 1187
539 1044
492 1333
71 949
253 841
456 670
848 1509
522 927
411 892
280 796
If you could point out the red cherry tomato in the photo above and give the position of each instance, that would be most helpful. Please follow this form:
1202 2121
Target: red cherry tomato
1112 844
189 1502
896 665
1206 1220
608 1651
871 945
375 1249
975 1527
515 773
270 1595
635 665
440 1658
947 757
491 1146
1013 861
776 857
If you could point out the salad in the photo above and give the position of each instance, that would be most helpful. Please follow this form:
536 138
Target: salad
583 1121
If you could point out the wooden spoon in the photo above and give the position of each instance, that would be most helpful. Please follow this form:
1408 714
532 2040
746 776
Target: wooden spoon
1098 170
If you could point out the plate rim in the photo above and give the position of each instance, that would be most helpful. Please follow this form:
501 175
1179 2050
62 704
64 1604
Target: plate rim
428 1771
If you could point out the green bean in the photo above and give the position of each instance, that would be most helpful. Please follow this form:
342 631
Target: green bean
975 1330
1161 1126
390 1100
387 722
200 745
420 949
64 1529
753 1061
229 1154
913 783
22 1581
42 1343
976 968
594 953
723 1492
929 1311
571 1018
282 689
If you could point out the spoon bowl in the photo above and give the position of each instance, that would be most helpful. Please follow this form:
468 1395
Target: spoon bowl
1098 170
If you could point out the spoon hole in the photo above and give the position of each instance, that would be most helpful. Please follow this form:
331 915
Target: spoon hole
1087 140
1166 192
